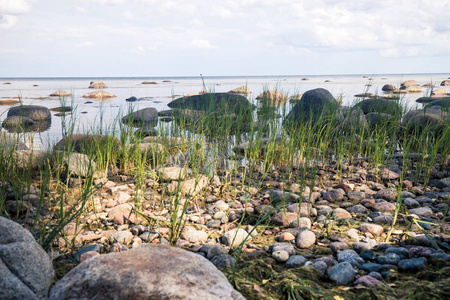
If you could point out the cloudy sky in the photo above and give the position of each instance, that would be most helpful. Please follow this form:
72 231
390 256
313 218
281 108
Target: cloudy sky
227 37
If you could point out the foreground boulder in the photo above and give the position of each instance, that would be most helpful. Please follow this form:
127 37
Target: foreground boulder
315 104
147 272
34 112
26 271
145 116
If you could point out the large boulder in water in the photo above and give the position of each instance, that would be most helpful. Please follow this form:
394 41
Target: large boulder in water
99 95
218 103
34 112
354 119
145 116
273 97
314 104
147 272
445 82
26 271
443 103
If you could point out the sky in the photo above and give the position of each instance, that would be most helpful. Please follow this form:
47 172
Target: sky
76 38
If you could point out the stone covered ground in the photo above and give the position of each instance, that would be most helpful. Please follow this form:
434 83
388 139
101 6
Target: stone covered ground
266 244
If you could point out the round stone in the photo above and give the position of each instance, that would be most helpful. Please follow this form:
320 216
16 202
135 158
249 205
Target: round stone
280 256
305 239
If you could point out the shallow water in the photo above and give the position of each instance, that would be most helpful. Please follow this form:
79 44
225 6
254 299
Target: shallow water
100 114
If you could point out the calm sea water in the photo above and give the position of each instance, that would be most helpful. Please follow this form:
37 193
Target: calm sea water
102 113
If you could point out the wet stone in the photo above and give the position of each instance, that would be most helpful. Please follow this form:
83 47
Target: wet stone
371 267
412 265
400 251
351 257
389 258
296 261
367 255
342 273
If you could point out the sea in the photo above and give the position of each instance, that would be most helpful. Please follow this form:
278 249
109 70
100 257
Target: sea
93 115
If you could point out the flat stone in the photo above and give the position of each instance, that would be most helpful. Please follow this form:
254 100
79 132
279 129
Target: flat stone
280 256
340 213
123 237
367 281
424 212
235 237
195 236
385 194
371 228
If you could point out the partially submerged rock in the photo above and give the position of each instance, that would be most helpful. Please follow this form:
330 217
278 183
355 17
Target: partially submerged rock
99 94
60 93
97 85
145 116
273 97
241 90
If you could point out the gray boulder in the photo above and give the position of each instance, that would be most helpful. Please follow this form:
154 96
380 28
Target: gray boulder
26 271
34 112
147 272
315 104
145 116
380 105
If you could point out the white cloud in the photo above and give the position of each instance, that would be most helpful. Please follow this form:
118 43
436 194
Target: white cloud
7 21
14 6
10 10
128 15
138 50
204 44
86 44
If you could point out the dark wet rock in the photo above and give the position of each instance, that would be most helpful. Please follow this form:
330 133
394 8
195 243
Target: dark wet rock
412 265
367 255
223 261
320 266
315 104
221 103
132 275
26 271
380 105
342 273
351 257
141 117
362 246
400 251
389 258
33 112
131 99
17 121
389 88
295 261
